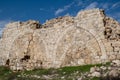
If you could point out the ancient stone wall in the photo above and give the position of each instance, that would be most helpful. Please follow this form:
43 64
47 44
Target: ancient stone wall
88 38
112 38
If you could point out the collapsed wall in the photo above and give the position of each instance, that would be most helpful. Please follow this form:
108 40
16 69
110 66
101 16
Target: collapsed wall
88 38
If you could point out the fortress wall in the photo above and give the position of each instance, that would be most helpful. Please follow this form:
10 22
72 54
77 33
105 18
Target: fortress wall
88 38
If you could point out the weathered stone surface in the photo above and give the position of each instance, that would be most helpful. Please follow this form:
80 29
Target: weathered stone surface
88 38
111 71
115 63
96 74
114 73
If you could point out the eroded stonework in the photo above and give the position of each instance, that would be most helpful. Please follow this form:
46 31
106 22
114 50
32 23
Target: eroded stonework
88 38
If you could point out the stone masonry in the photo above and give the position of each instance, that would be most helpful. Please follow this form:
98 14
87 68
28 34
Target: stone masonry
89 38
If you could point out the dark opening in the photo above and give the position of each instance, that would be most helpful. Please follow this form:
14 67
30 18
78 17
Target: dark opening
118 35
38 26
110 30
108 36
41 63
25 58
105 32
7 62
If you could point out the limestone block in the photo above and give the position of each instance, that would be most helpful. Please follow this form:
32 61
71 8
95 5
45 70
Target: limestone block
116 62
13 67
116 49
118 56
112 57
96 74
88 61
116 43
114 73
81 62
108 47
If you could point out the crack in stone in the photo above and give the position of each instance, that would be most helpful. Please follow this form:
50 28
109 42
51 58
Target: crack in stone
26 54
29 44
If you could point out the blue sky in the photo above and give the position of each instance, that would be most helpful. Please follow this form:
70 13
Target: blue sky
42 10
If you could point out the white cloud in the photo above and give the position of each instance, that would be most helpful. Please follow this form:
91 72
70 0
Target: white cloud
116 4
60 10
68 14
92 5
2 25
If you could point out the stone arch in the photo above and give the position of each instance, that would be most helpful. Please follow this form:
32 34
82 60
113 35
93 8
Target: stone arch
72 41
28 51
99 36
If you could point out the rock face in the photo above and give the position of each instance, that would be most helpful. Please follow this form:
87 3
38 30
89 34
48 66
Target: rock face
88 38
111 72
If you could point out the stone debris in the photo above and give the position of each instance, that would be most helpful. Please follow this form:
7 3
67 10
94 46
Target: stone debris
59 22
110 72
106 72
96 74
115 63
89 38
102 72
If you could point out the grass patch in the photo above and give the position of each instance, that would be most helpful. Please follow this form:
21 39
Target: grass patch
95 78
83 68
7 74
40 71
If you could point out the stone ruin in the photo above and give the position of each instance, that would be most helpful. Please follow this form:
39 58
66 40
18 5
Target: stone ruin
89 38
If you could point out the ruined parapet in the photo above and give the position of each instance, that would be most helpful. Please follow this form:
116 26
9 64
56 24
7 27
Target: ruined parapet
88 38
112 38
92 22
112 29
59 21
15 41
